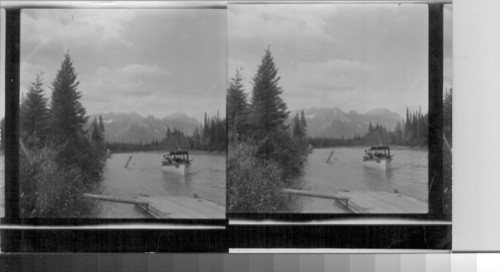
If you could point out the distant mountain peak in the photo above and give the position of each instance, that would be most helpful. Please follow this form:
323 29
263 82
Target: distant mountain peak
334 122
132 127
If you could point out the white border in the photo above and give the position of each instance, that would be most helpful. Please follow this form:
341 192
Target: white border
114 4
354 221
333 250
157 226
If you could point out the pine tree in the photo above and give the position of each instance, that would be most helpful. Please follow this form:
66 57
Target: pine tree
33 110
237 106
101 125
303 124
67 115
296 129
269 111
94 132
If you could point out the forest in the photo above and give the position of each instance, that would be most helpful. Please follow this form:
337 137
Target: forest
411 131
264 155
209 136
58 159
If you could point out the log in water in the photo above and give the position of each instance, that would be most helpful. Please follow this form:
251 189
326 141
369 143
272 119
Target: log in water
329 157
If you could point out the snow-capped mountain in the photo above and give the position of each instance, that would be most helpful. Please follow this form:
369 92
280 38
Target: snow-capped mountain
334 122
132 127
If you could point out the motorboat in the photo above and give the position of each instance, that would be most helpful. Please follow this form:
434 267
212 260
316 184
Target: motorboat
176 162
378 157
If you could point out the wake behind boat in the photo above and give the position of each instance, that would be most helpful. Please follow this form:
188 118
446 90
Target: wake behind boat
176 162
378 157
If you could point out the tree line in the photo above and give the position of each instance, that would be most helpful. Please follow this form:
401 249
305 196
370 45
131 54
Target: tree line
209 136
411 131
264 155
59 159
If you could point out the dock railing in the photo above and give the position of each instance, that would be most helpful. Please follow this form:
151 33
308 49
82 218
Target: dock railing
340 199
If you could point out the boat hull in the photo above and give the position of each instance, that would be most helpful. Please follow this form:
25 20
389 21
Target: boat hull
175 169
381 164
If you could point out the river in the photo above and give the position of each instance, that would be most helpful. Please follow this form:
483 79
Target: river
345 171
206 178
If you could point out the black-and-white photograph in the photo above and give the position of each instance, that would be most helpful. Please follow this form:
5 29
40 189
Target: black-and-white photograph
123 113
328 108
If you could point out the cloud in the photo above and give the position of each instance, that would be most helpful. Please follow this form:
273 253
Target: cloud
333 75
279 22
129 80
89 30
348 55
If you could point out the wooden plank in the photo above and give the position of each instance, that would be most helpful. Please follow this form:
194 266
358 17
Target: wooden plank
116 199
314 194
384 202
370 202
183 207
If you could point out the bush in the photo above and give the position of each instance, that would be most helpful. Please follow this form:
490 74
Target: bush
79 153
51 190
279 147
253 184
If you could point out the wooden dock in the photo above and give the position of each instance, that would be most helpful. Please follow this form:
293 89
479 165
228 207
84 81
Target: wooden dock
182 207
171 206
370 202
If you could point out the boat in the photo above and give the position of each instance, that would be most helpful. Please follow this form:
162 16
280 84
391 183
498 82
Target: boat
176 162
378 157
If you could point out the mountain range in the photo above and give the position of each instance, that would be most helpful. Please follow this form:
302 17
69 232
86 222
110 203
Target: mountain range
134 128
334 122
321 122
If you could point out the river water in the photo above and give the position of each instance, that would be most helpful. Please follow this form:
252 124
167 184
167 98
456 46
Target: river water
345 171
206 178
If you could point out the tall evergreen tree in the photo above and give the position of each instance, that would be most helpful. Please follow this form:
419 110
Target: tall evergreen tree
296 129
33 110
67 115
101 124
269 111
237 106
303 124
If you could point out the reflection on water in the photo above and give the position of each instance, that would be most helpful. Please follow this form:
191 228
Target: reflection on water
205 178
345 171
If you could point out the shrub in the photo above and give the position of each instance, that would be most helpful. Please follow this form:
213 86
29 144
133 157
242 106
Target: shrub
253 184
51 190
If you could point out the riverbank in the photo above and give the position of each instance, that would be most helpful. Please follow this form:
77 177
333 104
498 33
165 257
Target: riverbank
194 152
393 147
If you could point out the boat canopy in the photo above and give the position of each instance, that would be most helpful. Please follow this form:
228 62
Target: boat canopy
382 147
178 153
378 151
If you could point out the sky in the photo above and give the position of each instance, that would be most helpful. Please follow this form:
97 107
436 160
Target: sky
355 57
153 62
